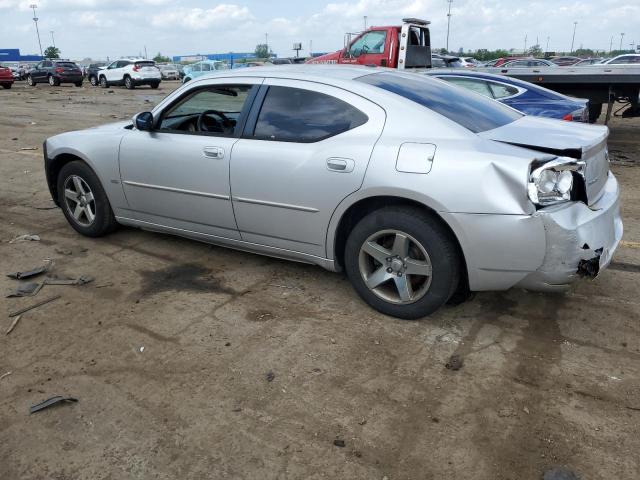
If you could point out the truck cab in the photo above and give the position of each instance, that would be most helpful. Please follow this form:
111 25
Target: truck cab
404 46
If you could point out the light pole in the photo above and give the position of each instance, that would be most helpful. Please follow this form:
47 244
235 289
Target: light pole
525 43
33 6
611 45
621 37
53 40
365 22
575 24
266 42
448 23
547 44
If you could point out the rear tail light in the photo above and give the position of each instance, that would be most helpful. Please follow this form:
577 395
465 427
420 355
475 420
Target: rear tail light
579 115
568 117
136 68
59 70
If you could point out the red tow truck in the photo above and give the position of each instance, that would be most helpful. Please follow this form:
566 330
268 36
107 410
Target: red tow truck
404 46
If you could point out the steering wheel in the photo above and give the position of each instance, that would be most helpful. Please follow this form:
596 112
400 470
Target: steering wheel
202 126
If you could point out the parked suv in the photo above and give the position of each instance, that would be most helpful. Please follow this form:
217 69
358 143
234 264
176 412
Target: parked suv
92 72
130 73
55 72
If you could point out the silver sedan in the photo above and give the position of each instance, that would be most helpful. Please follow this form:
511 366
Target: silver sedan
420 191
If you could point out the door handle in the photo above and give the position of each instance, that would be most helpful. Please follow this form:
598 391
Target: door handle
213 152
343 165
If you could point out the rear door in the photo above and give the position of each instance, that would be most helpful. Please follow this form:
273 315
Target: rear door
305 148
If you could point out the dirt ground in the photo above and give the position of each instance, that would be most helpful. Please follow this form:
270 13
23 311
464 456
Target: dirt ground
170 351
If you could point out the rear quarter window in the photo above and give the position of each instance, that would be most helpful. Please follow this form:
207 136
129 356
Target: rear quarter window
472 111
298 115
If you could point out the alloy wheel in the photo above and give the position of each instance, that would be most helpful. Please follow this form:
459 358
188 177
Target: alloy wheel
79 200
395 266
52 81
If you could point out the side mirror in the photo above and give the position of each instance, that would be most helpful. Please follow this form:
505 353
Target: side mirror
144 121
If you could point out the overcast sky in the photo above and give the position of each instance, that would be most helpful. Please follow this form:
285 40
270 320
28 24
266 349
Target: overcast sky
100 28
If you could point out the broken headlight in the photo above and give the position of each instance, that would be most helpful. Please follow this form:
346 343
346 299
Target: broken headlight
555 181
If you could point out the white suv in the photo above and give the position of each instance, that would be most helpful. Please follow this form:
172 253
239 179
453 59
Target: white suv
130 73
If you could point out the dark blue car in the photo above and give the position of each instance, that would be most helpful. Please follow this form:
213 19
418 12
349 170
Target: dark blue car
523 96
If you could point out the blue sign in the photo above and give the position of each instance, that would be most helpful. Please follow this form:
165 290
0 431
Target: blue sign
13 55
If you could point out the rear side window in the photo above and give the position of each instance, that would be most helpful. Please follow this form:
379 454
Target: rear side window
478 86
500 90
297 115
467 109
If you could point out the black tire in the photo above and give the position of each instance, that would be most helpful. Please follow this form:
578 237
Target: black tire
53 81
432 235
30 81
7 86
595 110
103 82
78 84
93 80
104 221
128 82
155 85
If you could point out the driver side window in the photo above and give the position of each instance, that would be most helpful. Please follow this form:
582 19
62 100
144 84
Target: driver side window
371 42
214 110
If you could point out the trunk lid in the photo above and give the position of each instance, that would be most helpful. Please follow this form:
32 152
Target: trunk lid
587 143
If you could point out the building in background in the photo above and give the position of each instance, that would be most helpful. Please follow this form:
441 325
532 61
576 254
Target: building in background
13 55
229 57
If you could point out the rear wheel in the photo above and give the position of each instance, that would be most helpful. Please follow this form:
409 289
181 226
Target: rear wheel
7 86
103 82
128 83
83 200
155 84
53 81
403 262
30 81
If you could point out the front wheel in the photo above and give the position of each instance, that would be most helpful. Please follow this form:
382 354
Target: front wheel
403 262
30 81
53 81
83 200
6 86
155 84
103 82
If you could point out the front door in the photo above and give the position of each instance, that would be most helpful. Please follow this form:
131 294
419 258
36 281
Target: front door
177 175
367 49
307 150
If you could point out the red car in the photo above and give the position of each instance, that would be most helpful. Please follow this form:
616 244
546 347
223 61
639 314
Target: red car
6 77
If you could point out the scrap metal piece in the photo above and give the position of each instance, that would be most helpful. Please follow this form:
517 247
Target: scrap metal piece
5 375
81 280
13 325
50 402
29 273
25 238
26 290
35 305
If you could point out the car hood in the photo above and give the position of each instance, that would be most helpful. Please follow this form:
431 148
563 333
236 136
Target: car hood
558 137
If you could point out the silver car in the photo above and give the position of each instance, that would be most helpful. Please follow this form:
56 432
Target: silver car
420 191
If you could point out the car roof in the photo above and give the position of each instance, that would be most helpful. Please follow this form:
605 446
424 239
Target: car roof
320 73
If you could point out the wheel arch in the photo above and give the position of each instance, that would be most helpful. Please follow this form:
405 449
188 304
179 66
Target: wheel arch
341 225
54 166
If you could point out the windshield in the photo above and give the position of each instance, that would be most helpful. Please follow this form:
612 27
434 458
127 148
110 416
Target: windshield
468 109
66 64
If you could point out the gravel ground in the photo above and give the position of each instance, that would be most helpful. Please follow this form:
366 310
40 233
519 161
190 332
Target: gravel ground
192 361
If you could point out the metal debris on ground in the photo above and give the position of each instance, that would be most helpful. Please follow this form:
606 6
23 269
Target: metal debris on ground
81 280
50 402
29 148
26 290
270 376
35 305
560 473
26 238
455 362
5 375
13 325
339 443
30 273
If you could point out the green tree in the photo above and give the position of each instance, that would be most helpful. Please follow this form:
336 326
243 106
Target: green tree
159 58
535 51
52 52
262 50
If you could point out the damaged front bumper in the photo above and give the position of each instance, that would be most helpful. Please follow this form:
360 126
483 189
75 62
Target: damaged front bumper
580 240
